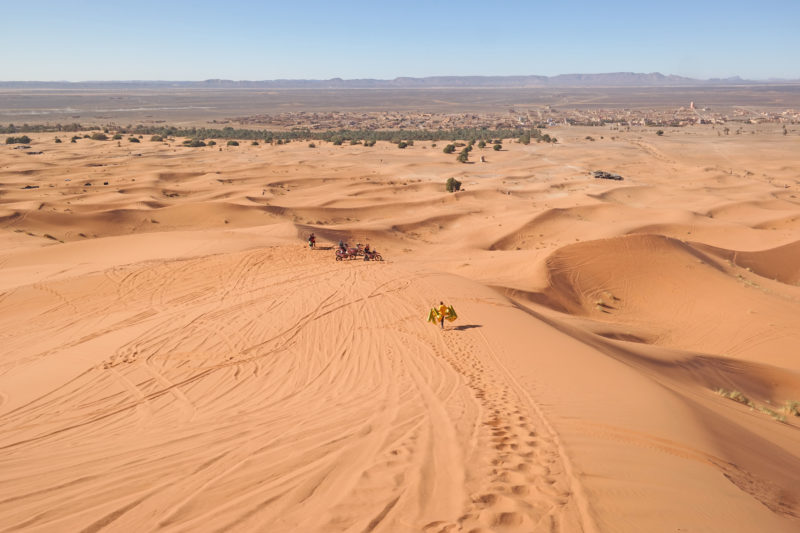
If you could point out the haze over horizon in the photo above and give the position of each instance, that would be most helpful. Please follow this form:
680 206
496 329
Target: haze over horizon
201 40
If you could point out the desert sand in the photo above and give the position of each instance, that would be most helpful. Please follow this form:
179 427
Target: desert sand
175 358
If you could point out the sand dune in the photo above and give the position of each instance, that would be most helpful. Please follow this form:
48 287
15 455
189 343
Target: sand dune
175 358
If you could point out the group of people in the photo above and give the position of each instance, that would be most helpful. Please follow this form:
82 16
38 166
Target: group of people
343 247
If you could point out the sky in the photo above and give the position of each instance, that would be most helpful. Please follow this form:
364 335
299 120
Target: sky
77 40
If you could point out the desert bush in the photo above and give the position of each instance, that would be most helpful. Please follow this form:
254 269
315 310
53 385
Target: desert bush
449 149
157 138
463 157
58 141
735 395
211 143
481 144
133 139
233 143
254 143
660 133
74 138
402 144
24 139
312 145
99 137
369 143
497 147
117 137
194 143
452 185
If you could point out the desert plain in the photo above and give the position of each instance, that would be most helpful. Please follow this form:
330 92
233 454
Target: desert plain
173 356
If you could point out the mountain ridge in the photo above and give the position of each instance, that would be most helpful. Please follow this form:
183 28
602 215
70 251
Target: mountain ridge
610 79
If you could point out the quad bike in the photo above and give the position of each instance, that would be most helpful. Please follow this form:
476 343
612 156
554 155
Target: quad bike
348 254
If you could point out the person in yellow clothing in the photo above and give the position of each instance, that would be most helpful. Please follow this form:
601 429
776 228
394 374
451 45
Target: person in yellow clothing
442 313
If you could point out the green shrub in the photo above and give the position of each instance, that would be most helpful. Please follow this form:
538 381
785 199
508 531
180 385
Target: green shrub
660 133
233 143
58 141
133 139
497 147
481 144
463 157
212 143
452 185
449 149
312 145
99 137
254 143
194 143
157 138
117 136
24 139
402 144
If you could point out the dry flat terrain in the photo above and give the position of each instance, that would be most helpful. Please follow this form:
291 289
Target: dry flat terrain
174 358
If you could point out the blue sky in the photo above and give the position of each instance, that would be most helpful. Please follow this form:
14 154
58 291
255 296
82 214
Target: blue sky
180 40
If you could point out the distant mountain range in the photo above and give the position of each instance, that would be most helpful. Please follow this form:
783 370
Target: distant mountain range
612 79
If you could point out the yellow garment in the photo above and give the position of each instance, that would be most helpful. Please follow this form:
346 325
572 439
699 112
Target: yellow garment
442 311
433 316
451 314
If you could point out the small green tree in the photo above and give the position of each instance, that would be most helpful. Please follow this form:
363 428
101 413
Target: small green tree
99 137
481 144
402 144
24 139
133 139
157 138
452 185
449 149
497 147
117 137
463 156
233 143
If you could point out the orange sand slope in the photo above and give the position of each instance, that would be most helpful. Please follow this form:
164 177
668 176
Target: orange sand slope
175 358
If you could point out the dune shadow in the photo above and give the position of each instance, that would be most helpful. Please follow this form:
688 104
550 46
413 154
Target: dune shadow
467 326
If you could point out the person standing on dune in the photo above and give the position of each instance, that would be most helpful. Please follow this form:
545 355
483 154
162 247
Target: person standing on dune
442 312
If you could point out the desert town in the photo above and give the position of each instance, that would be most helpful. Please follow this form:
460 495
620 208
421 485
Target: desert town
540 117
